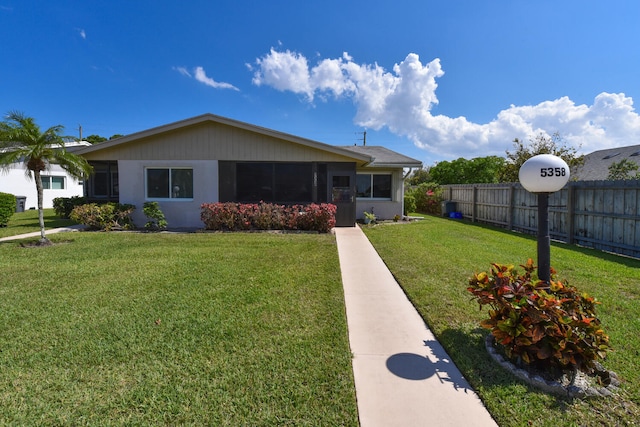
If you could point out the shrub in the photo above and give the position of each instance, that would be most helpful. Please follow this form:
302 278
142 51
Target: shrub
267 216
155 216
64 205
409 203
549 326
314 217
428 198
7 208
108 216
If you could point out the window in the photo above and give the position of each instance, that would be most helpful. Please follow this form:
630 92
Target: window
373 186
103 183
52 182
169 183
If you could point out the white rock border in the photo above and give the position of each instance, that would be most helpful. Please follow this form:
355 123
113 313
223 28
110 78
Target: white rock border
579 386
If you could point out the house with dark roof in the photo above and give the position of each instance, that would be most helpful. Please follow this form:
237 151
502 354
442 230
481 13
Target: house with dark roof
596 165
209 158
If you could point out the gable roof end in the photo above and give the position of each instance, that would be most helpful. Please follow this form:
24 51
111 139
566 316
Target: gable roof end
359 157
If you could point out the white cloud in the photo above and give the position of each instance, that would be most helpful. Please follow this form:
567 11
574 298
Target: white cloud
200 75
284 71
402 101
183 71
82 33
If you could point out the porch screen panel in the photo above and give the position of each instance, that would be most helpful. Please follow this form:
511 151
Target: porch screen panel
254 182
293 182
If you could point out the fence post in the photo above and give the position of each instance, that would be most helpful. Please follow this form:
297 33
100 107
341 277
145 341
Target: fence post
571 212
510 209
474 211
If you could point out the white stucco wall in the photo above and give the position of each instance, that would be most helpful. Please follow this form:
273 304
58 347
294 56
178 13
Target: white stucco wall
17 183
179 213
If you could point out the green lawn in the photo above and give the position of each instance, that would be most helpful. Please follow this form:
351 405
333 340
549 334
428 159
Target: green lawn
174 329
433 259
27 222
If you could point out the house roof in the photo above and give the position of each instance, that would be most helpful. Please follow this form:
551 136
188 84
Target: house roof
383 157
360 157
596 165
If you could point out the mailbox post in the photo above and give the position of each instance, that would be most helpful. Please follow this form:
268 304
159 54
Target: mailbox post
544 174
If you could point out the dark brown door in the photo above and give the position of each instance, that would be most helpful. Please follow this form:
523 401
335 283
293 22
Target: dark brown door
342 194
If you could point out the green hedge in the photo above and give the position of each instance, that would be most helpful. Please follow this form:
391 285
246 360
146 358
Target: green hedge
7 208
64 205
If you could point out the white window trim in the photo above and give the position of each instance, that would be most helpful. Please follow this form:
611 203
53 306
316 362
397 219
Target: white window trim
166 199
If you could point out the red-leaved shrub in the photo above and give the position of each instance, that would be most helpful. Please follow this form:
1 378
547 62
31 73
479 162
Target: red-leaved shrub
232 216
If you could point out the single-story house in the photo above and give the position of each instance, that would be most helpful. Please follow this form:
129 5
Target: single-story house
596 165
209 158
56 182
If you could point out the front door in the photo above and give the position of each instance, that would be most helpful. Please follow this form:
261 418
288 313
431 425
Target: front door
343 196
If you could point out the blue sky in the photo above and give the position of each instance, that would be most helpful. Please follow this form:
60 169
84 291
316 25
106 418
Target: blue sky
435 80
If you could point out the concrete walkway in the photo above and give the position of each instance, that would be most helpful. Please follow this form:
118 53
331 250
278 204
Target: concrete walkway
47 232
402 374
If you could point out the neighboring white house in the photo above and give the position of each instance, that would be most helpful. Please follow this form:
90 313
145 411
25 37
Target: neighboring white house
56 182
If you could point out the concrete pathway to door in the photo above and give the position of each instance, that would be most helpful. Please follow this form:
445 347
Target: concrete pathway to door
402 374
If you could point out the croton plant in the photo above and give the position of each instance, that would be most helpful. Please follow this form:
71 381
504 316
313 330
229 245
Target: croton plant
545 325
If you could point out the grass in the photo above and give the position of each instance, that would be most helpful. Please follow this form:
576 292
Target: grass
433 259
27 222
174 329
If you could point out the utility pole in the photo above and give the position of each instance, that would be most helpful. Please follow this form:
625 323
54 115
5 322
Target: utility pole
80 130
364 138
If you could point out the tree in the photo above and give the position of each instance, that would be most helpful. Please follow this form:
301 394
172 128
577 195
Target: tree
22 141
543 144
419 176
624 169
462 171
94 139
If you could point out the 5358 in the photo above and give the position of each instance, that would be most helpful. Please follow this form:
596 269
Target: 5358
544 172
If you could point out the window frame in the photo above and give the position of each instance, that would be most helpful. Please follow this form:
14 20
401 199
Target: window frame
169 170
371 178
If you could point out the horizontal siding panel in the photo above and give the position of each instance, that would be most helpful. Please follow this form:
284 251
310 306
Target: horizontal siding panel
215 141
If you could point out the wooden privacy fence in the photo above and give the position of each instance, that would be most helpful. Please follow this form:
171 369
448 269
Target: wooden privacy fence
603 215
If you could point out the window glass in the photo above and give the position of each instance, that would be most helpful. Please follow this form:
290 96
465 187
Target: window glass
57 183
158 183
182 183
382 186
46 182
363 185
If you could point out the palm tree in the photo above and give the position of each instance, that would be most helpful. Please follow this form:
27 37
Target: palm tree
21 141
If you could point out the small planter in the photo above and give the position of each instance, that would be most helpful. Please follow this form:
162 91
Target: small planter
602 383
